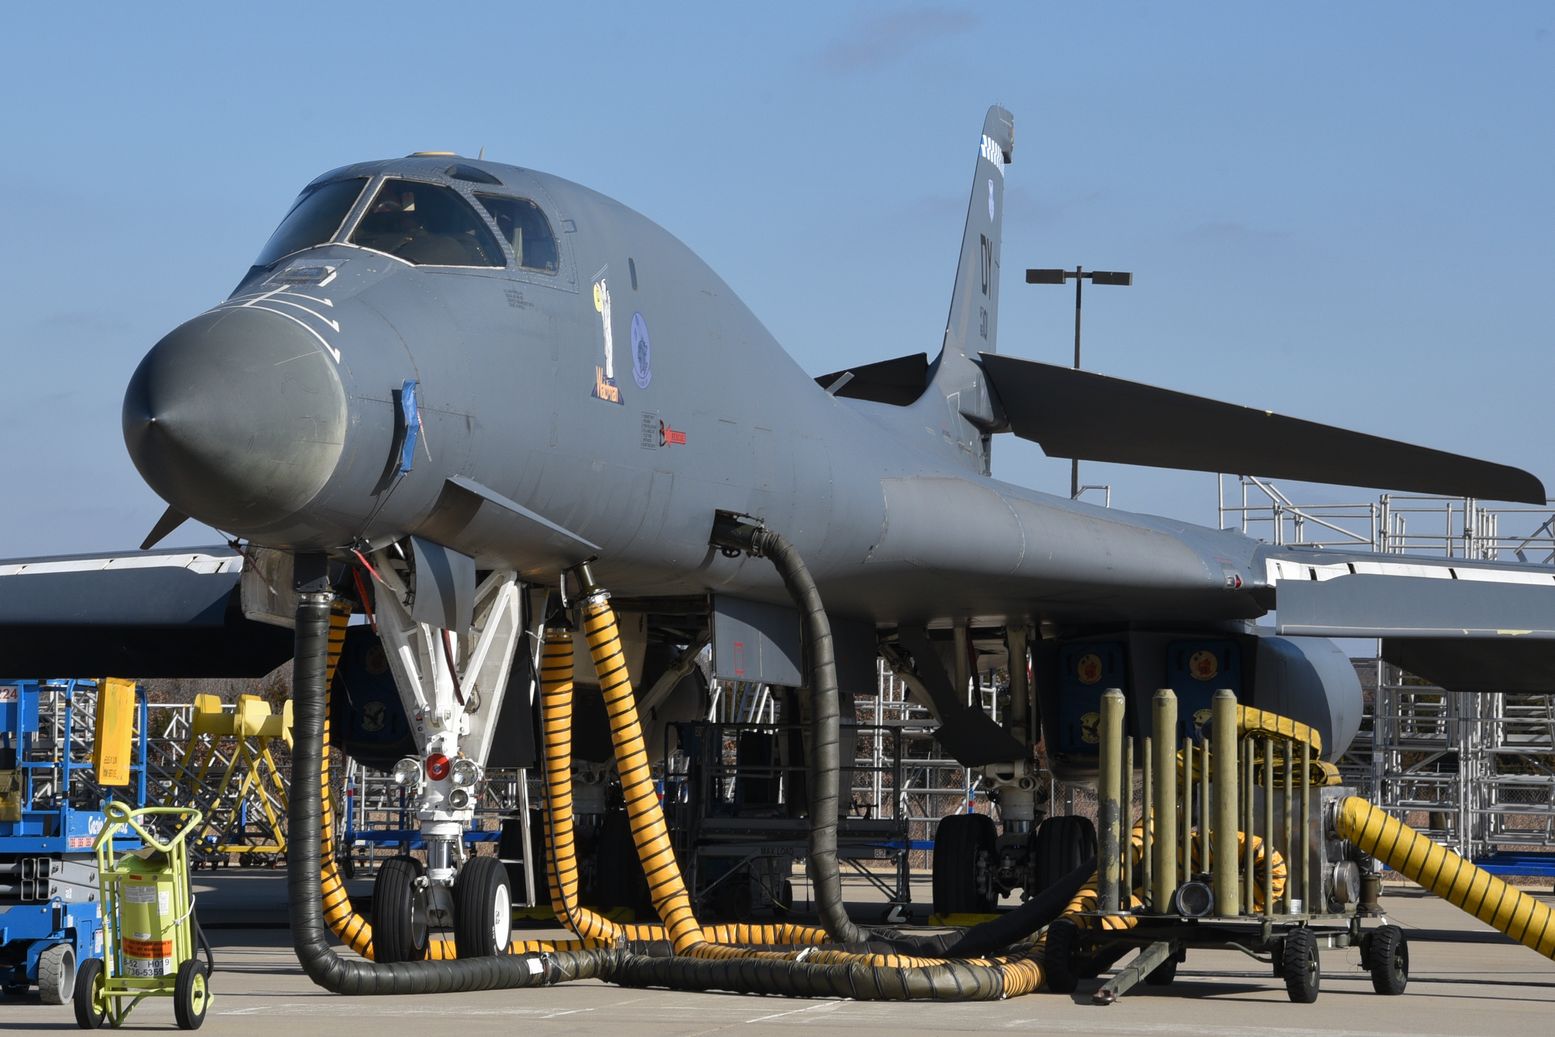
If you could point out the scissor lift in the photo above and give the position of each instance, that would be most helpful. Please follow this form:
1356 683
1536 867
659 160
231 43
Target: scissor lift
50 812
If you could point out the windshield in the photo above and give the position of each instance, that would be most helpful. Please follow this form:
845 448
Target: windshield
428 224
526 228
313 220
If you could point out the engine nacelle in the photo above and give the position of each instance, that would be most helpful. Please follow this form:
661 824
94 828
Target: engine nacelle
1310 679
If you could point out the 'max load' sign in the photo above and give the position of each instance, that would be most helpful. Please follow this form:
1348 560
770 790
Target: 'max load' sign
115 731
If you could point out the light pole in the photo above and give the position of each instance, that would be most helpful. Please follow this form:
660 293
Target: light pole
1080 276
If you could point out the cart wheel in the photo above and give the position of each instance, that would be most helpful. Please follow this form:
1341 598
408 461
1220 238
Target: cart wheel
56 974
1277 958
1058 956
91 1006
959 841
191 995
399 912
483 909
1300 961
1387 959
1163 974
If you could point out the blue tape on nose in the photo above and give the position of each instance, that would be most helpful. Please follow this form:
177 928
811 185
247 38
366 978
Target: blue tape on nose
412 425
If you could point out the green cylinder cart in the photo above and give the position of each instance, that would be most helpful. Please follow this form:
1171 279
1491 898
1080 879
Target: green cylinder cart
148 922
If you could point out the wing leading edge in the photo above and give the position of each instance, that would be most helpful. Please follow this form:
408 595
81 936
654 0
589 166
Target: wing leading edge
1092 417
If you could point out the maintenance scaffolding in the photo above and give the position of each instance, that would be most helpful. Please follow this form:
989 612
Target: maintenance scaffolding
1475 771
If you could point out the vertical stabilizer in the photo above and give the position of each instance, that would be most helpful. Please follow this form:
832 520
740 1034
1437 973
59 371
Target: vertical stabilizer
972 327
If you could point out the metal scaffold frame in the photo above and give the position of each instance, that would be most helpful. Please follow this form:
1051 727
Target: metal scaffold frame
1475 771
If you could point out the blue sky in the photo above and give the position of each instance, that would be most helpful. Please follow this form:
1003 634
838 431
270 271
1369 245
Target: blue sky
1337 211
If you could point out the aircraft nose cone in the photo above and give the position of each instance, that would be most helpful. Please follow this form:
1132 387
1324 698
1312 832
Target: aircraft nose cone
236 418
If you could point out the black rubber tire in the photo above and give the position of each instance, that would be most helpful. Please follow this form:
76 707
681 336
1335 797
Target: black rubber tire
90 1014
483 909
57 974
1063 936
1277 958
1165 973
959 840
618 875
1301 966
400 929
1059 846
191 994
1387 959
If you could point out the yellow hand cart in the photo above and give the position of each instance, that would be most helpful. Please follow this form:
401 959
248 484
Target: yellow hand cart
149 928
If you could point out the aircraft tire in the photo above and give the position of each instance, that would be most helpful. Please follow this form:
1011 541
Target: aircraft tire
1059 846
400 929
618 875
483 909
959 841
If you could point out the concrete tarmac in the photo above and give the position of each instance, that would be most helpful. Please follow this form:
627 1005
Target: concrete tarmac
1465 979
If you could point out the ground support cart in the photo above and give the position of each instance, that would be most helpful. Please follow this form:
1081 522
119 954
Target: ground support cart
151 932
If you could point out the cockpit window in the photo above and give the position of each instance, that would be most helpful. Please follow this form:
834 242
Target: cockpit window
426 224
526 229
314 218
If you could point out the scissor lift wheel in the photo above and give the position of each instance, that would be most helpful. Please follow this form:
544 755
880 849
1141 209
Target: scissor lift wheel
56 974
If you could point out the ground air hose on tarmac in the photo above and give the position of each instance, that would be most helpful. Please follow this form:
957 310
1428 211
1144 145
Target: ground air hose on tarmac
695 961
1445 874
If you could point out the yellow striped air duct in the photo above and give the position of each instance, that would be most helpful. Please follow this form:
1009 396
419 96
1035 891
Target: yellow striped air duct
352 928
840 972
700 963
1445 874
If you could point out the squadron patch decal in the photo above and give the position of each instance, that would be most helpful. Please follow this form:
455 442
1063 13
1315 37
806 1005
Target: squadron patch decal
605 374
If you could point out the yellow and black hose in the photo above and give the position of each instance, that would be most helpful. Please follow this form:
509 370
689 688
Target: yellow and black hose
304 864
1440 871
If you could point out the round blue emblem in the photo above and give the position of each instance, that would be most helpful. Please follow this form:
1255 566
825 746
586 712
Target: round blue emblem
642 369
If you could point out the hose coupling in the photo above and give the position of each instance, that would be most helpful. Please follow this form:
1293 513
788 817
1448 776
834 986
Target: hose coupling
735 534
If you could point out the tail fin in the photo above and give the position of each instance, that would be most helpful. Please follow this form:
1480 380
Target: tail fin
972 327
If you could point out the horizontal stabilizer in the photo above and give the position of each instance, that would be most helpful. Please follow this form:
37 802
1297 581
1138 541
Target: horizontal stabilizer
898 381
1476 664
1092 417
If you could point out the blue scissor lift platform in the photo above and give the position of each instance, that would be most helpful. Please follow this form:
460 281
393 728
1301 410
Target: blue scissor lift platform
50 814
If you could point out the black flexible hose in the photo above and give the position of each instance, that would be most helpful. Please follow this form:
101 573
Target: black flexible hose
1020 923
825 719
825 769
319 960
630 966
